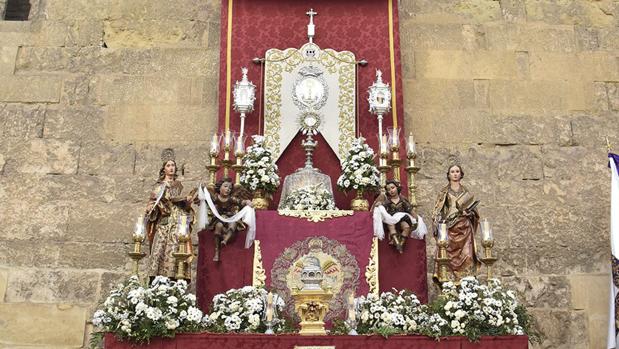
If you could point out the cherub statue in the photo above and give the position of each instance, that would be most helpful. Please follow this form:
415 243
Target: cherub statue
394 202
228 203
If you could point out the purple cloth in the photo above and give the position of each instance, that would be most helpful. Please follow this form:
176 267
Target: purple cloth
614 157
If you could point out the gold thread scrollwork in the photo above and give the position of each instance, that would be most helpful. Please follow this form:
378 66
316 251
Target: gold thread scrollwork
315 215
259 275
371 271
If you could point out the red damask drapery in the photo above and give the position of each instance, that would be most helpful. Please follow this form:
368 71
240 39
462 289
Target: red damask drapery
369 28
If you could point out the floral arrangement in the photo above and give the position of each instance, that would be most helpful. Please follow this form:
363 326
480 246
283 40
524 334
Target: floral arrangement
243 310
358 169
389 313
137 313
471 309
259 170
313 197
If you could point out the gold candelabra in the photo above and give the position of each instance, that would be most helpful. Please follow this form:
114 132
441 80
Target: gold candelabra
181 256
229 141
137 254
411 170
394 147
442 259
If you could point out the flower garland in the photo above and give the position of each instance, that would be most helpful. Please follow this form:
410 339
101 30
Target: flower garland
259 170
358 169
243 310
313 197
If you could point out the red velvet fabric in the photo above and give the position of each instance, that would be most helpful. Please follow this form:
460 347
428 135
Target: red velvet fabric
241 341
276 233
360 26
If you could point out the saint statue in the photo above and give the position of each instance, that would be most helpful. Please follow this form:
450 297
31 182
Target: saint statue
165 206
227 204
456 207
393 202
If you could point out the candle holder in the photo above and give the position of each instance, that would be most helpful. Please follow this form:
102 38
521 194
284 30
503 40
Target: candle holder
228 141
488 259
383 161
181 256
137 254
239 153
411 170
270 311
212 167
394 147
352 325
351 321
443 261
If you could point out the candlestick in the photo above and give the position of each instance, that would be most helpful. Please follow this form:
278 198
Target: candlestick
212 167
269 310
228 140
138 238
394 146
487 242
239 153
351 321
410 145
486 231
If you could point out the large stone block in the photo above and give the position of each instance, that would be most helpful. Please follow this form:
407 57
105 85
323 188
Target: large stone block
104 222
438 95
466 65
34 218
28 253
94 255
539 97
137 9
561 329
107 159
7 59
431 36
590 13
57 325
542 291
607 38
22 121
455 11
30 89
582 66
532 37
590 129
4 278
160 33
159 123
52 286
147 90
45 156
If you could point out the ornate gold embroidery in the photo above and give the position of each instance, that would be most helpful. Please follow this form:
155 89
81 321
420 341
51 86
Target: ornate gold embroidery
315 215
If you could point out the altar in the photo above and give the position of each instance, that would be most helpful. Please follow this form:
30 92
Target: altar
279 240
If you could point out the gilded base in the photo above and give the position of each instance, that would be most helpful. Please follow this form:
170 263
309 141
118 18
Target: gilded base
359 203
312 306
260 201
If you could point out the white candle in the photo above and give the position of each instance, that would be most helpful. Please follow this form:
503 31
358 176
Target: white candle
215 144
486 230
139 227
269 311
351 307
228 139
442 232
383 145
410 145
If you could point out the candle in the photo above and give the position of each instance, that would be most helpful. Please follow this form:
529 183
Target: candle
215 144
228 139
410 145
442 231
240 147
351 307
269 311
486 230
383 145
139 227
182 225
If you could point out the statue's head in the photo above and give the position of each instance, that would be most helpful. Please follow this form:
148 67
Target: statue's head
393 184
169 164
224 184
455 173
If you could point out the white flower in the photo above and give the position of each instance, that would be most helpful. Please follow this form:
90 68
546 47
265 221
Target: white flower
194 314
153 313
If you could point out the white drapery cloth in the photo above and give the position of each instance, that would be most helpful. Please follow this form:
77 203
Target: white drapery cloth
247 215
381 216
614 245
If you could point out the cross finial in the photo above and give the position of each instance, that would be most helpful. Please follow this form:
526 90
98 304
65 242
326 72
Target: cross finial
311 28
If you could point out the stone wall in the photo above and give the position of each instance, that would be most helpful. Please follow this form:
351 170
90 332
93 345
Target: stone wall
520 92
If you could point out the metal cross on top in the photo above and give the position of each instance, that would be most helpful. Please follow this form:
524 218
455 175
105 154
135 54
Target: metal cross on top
311 28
